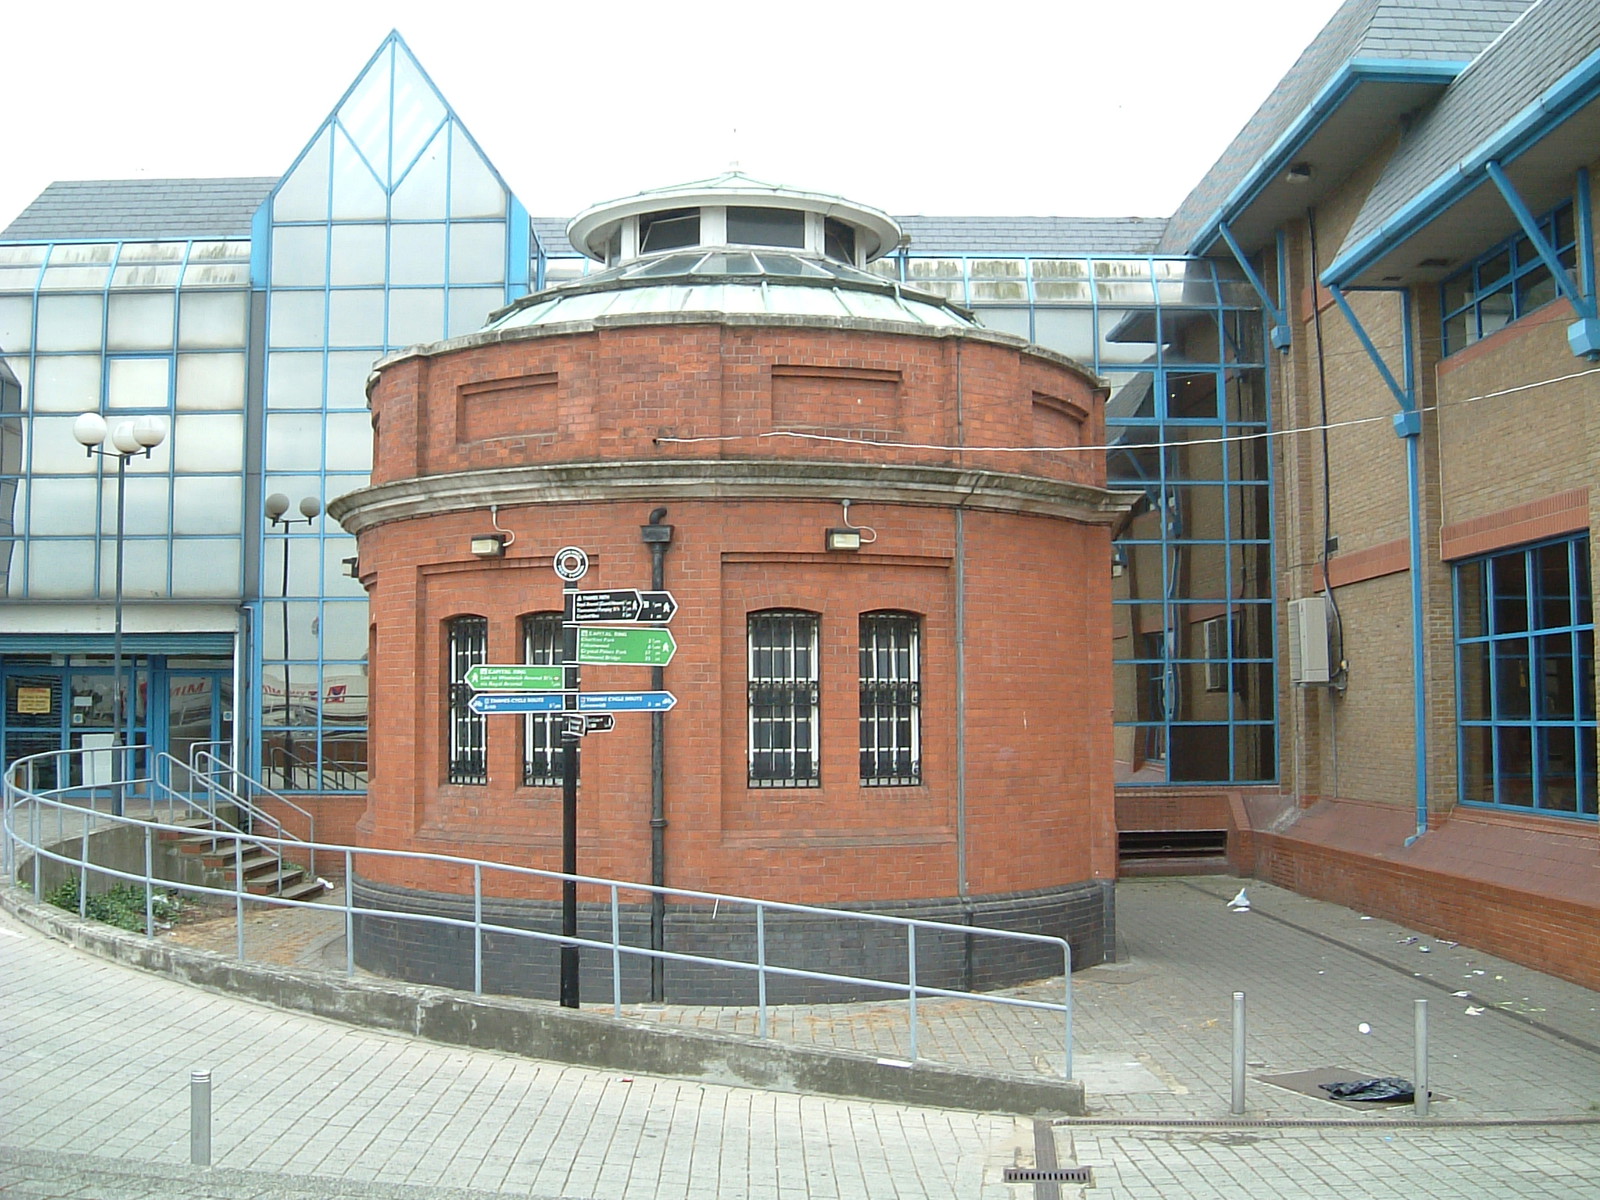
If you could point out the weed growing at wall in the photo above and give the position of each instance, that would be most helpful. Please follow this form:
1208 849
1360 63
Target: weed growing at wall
122 906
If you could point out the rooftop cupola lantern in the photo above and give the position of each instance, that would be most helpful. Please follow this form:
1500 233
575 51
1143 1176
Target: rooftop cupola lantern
735 213
734 244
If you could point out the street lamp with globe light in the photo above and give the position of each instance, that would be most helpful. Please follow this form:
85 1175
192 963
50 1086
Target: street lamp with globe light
276 506
128 439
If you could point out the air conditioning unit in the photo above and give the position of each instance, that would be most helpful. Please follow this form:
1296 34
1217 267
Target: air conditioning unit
1308 641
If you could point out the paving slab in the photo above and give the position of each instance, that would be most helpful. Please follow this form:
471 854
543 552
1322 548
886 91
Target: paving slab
97 1059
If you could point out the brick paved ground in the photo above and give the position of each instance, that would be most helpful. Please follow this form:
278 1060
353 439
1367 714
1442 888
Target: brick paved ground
97 1060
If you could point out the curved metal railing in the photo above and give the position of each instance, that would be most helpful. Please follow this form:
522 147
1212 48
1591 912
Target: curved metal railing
76 813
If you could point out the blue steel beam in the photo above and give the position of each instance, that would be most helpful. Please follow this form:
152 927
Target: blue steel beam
1584 305
1280 336
1408 426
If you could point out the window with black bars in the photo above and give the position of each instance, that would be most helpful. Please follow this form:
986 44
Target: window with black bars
468 639
891 700
542 760
783 699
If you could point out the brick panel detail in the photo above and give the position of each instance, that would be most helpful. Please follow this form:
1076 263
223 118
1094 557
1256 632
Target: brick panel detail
1565 512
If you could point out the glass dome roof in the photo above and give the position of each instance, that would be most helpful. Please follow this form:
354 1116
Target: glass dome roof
794 253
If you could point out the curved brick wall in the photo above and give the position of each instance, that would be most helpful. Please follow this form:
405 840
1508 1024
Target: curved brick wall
441 955
559 429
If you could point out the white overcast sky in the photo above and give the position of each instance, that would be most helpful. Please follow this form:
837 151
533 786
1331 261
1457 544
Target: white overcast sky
1076 108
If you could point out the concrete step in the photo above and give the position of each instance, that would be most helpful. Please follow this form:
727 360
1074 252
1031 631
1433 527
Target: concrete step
306 889
269 882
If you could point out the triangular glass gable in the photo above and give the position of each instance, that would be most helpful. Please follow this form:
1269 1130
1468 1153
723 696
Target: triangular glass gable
395 128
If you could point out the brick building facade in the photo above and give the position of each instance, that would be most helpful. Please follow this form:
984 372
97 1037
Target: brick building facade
988 563
1418 214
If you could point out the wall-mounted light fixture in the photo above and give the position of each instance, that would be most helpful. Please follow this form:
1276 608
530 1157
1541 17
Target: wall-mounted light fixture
848 536
492 545
488 545
1299 172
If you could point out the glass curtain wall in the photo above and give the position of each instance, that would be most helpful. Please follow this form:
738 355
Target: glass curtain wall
123 329
1180 343
391 229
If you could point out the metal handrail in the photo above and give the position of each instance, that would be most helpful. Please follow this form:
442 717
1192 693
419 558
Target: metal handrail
17 798
245 797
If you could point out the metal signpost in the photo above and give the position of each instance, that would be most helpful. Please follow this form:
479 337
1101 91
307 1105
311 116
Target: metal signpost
525 688
571 565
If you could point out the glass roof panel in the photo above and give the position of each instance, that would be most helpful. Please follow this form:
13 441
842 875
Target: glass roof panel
160 275
303 193
18 279
152 252
219 252
418 112
204 274
357 193
68 255
474 191
790 264
672 264
74 277
422 193
365 114
22 255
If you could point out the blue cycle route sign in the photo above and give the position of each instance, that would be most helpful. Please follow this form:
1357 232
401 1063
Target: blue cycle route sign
484 703
625 701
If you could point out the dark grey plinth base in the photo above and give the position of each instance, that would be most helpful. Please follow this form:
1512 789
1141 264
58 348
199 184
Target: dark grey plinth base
432 952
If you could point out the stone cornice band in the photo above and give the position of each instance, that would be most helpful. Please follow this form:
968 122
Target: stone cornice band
731 479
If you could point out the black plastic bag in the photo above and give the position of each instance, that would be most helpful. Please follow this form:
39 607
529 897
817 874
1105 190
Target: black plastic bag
1388 1088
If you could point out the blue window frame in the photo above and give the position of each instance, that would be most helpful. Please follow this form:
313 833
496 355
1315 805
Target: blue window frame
1525 679
1508 281
1181 343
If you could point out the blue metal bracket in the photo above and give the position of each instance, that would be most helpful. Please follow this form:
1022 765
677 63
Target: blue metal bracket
1408 426
1583 335
1280 335
1401 395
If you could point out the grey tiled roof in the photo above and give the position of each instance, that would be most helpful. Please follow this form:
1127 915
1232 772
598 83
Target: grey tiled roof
983 235
552 235
1033 235
1554 37
131 209
1437 30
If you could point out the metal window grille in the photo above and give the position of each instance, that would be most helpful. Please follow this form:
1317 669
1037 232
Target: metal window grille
468 646
891 700
542 763
783 699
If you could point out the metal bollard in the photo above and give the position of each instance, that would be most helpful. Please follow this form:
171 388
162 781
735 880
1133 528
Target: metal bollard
200 1118
1421 1092
1237 1108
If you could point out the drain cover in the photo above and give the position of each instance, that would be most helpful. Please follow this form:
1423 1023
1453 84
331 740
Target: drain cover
1048 1175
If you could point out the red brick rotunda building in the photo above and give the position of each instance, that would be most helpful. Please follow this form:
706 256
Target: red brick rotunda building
892 674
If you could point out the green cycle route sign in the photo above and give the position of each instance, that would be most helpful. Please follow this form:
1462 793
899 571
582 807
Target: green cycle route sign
631 647
513 677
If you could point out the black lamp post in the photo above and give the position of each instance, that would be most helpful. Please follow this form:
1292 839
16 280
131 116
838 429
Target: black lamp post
276 507
138 435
